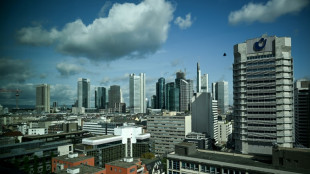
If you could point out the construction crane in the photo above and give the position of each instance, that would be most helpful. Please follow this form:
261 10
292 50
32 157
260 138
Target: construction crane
16 91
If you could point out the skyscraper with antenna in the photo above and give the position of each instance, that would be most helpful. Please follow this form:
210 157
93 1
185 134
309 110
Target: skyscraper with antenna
198 78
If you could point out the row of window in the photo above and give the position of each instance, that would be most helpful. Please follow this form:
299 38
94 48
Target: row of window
261 63
261 69
260 76
266 112
261 131
261 81
262 119
262 138
263 106
259 94
262 125
260 57
261 87
261 100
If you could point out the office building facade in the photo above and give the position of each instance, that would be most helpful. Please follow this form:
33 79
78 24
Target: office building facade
137 103
115 96
100 97
43 98
263 94
204 83
220 91
204 115
302 112
83 93
167 130
198 89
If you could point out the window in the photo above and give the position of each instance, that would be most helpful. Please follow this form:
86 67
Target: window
70 148
132 170
111 169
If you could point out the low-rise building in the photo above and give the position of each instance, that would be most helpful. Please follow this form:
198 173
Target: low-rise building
167 130
186 159
71 160
224 131
127 141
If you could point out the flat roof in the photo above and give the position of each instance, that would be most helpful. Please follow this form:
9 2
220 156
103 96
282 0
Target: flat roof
241 161
123 164
101 139
53 135
74 159
83 169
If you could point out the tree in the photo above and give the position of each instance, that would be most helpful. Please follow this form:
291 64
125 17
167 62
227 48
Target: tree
44 166
26 164
148 155
35 164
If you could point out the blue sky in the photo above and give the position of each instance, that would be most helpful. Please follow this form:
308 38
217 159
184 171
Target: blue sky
56 42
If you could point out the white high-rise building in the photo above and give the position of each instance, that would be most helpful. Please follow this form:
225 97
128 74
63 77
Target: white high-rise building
137 102
204 83
204 115
83 93
198 78
43 98
220 93
263 94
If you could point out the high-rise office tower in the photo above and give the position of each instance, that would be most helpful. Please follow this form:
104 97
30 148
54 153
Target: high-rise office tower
83 93
204 115
190 93
160 93
100 97
302 112
153 102
137 93
169 86
204 83
220 92
184 95
115 96
263 94
198 79
185 91
43 98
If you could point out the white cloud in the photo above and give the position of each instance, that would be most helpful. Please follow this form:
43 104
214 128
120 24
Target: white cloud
184 23
132 30
67 69
266 12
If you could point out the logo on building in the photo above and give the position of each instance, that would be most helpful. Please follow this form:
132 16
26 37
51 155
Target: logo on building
258 46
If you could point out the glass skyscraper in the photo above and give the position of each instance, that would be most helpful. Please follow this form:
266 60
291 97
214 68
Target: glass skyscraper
220 92
83 93
160 93
100 97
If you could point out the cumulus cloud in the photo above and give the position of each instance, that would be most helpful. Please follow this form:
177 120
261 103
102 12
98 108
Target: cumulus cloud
15 70
184 23
67 69
121 79
176 62
132 30
63 94
268 12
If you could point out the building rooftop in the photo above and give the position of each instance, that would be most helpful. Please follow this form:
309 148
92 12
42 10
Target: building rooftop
101 139
124 163
83 169
73 159
246 162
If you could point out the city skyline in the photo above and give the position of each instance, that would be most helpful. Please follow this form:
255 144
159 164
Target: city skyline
36 47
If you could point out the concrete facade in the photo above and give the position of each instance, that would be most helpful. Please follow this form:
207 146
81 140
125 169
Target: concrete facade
263 94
